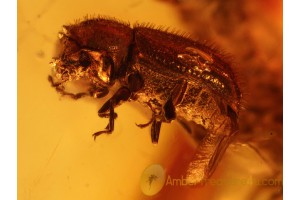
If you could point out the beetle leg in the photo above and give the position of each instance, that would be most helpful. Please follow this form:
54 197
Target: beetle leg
107 110
174 99
146 124
169 110
98 92
112 115
178 92
60 89
155 129
151 120
135 82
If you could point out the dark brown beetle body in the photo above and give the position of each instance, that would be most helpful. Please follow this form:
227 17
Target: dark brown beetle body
177 78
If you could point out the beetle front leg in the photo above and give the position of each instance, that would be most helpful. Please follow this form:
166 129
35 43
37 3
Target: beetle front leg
98 92
107 110
60 89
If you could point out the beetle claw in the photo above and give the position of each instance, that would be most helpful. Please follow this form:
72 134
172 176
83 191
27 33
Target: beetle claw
95 135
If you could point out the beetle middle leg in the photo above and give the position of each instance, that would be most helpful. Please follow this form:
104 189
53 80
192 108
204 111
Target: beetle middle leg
107 110
112 116
152 118
168 112
155 122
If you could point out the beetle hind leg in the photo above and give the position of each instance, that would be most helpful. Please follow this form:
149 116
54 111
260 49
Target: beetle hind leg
174 99
155 130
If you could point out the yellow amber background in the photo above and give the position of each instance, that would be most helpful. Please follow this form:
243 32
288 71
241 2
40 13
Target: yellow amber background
57 156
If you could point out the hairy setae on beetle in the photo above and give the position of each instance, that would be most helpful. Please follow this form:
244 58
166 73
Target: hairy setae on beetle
174 76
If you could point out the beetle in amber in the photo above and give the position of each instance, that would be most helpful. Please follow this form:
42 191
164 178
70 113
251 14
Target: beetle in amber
174 76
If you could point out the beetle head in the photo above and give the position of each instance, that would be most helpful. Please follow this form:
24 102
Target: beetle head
96 49
95 66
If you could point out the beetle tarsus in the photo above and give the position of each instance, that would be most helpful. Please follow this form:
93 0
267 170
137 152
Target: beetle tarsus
60 89
146 124
152 118
106 131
